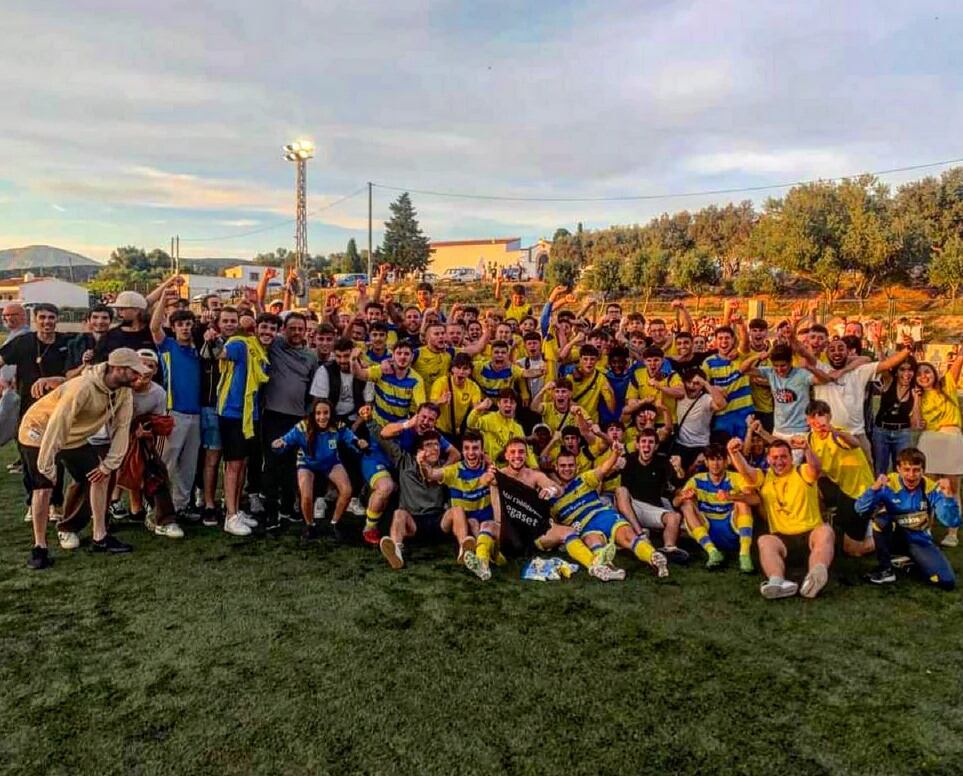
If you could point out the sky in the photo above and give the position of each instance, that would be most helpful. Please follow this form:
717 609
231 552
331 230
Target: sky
127 122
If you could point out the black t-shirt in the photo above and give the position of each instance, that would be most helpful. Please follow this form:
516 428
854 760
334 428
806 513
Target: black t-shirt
649 483
35 359
695 361
119 338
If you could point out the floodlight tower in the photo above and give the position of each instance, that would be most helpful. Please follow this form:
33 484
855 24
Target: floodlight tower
299 152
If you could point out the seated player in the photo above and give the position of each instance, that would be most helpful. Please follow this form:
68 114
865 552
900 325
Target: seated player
422 505
716 505
579 505
317 445
790 504
468 482
910 501
558 535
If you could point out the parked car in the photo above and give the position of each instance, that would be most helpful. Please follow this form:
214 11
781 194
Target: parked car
513 274
349 278
461 275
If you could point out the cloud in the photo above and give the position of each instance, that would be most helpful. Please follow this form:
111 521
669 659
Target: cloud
807 162
58 208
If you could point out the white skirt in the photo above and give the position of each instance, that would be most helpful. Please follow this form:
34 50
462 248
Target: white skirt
943 451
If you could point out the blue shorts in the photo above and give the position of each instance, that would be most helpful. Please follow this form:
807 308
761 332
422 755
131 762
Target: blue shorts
374 465
723 535
605 521
210 429
480 516
321 471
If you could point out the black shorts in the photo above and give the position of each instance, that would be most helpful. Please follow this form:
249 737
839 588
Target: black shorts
797 549
79 461
428 527
847 520
234 447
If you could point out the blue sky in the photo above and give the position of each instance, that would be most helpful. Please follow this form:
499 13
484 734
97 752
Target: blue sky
130 121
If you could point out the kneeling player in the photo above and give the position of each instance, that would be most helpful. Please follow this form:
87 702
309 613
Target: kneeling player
716 507
579 505
422 505
910 502
557 535
468 481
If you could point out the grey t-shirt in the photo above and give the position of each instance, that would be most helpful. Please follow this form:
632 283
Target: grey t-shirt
291 373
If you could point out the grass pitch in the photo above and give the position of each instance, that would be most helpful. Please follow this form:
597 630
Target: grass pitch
220 655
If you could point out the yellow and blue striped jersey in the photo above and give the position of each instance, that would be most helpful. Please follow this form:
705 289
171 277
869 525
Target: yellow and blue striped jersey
709 499
467 491
396 398
492 380
579 500
725 374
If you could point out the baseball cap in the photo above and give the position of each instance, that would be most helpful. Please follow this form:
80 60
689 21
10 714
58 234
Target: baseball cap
127 357
541 427
150 355
129 299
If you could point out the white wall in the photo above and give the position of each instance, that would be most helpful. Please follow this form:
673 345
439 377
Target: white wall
58 292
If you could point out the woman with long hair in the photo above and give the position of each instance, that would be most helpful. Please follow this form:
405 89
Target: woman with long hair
317 445
893 427
937 414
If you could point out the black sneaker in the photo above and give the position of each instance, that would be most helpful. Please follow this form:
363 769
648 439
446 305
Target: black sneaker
118 513
310 533
39 559
290 517
187 515
110 544
210 517
882 577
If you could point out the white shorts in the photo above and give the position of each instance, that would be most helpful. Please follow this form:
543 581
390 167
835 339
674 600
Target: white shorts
649 515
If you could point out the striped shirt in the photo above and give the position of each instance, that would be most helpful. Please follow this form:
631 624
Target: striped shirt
467 491
725 375
395 398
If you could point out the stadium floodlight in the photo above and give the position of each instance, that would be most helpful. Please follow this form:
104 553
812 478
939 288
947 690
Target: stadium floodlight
299 152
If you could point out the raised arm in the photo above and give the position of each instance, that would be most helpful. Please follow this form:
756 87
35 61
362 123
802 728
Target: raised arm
749 473
683 316
359 371
157 316
539 399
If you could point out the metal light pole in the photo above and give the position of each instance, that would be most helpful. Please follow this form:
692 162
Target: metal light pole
299 152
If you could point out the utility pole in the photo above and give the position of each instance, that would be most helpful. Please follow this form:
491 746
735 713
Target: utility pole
299 153
173 261
370 253
177 255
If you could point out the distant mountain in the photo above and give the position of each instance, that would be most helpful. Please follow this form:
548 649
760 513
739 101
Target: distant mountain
47 260
38 257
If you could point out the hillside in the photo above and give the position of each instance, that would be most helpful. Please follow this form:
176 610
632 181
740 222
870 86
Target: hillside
40 257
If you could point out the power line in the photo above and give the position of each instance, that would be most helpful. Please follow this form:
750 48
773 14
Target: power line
641 197
275 225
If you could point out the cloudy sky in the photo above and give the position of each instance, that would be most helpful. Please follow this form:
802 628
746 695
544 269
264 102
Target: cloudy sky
128 121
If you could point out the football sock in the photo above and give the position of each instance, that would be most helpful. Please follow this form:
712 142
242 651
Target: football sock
643 549
701 535
578 552
483 549
371 519
744 526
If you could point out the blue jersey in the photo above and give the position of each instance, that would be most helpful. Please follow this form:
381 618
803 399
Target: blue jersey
182 376
910 510
620 386
231 395
322 455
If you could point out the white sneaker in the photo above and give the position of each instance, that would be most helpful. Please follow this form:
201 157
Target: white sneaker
245 518
28 518
783 589
815 581
661 565
68 540
605 573
235 526
257 506
392 552
56 514
355 507
170 530
321 508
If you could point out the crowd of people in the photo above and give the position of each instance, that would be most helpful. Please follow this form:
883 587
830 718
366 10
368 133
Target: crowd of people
657 437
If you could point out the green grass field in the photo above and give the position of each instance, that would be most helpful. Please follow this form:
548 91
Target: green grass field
219 655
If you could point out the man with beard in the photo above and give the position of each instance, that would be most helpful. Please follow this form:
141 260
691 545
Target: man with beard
410 431
790 504
648 478
285 398
599 526
422 508
56 430
558 535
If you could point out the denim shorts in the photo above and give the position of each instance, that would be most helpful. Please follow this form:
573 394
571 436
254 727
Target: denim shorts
210 430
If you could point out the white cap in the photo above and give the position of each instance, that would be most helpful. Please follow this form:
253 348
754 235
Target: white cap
129 299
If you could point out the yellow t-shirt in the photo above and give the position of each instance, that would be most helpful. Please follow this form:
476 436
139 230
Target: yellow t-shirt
461 402
498 431
589 391
639 388
941 408
556 420
431 364
846 466
791 502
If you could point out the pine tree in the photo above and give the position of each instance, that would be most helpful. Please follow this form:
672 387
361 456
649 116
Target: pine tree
404 246
352 259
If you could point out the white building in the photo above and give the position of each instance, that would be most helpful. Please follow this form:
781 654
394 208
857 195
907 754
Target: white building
31 290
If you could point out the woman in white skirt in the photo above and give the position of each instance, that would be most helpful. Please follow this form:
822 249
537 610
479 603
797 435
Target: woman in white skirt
937 414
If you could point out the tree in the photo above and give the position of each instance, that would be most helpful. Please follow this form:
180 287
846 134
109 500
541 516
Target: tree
724 234
694 271
757 279
606 274
352 259
404 245
562 272
646 271
946 269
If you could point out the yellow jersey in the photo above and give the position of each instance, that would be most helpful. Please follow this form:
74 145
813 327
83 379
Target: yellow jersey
941 408
791 502
455 411
846 466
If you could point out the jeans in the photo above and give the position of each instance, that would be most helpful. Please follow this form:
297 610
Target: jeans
886 445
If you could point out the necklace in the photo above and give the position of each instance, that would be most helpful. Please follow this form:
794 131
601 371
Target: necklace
40 356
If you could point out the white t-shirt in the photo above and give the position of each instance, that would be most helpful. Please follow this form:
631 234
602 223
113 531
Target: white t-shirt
694 431
845 396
